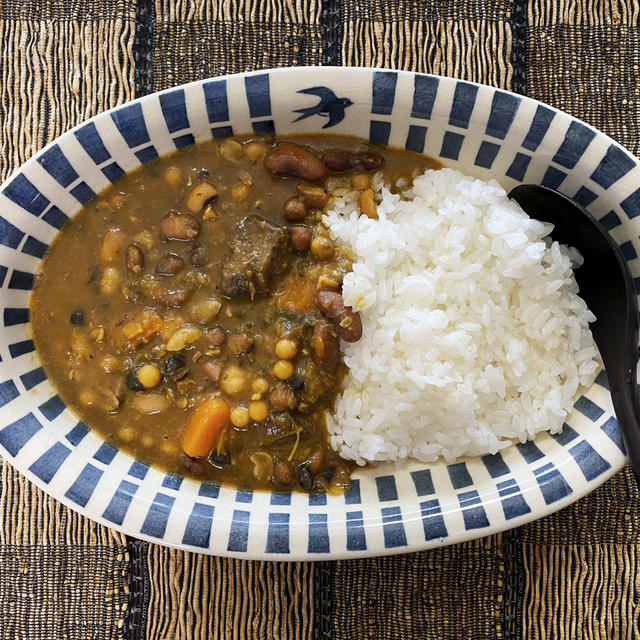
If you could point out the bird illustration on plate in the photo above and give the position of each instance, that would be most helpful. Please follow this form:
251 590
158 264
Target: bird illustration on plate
329 106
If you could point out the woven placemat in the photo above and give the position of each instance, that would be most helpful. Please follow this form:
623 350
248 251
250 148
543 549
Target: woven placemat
574 574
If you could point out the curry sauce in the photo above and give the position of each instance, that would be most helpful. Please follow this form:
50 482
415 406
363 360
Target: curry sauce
191 313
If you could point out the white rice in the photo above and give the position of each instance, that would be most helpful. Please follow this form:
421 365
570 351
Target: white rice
473 332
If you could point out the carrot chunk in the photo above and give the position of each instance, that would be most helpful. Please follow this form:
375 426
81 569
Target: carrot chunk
204 426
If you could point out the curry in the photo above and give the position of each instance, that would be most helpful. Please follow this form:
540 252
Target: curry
192 314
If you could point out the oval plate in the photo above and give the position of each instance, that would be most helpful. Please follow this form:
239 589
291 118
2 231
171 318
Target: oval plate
481 131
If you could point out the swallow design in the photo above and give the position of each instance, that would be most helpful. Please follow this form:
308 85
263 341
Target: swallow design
329 106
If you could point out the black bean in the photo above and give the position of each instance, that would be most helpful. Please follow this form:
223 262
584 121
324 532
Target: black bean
131 380
172 363
305 479
296 382
77 317
220 459
175 366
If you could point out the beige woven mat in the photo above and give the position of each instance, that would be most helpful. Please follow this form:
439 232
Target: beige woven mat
572 575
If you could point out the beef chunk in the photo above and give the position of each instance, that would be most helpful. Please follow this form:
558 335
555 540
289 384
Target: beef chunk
258 252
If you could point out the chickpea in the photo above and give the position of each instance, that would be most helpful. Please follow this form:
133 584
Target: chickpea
109 364
283 369
233 380
146 441
260 386
258 411
149 376
255 150
216 336
168 448
241 192
239 417
286 348
127 434
230 150
172 176
87 397
321 248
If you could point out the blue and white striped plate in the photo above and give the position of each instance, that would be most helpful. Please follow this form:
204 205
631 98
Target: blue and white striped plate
477 129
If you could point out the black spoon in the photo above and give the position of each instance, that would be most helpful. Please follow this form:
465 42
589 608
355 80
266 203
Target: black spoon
607 288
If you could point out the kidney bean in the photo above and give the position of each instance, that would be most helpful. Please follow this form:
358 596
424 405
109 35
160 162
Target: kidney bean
312 195
196 466
337 160
282 472
294 161
216 336
294 210
77 317
301 237
282 399
134 258
325 347
315 459
346 321
240 343
179 226
367 161
212 370
173 298
169 264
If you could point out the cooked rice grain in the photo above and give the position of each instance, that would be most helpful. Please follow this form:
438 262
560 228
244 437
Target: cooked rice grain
474 333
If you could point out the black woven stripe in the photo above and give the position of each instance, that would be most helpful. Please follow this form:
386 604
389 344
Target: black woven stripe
519 51
323 596
513 585
135 623
143 46
332 25
332 22
514 566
